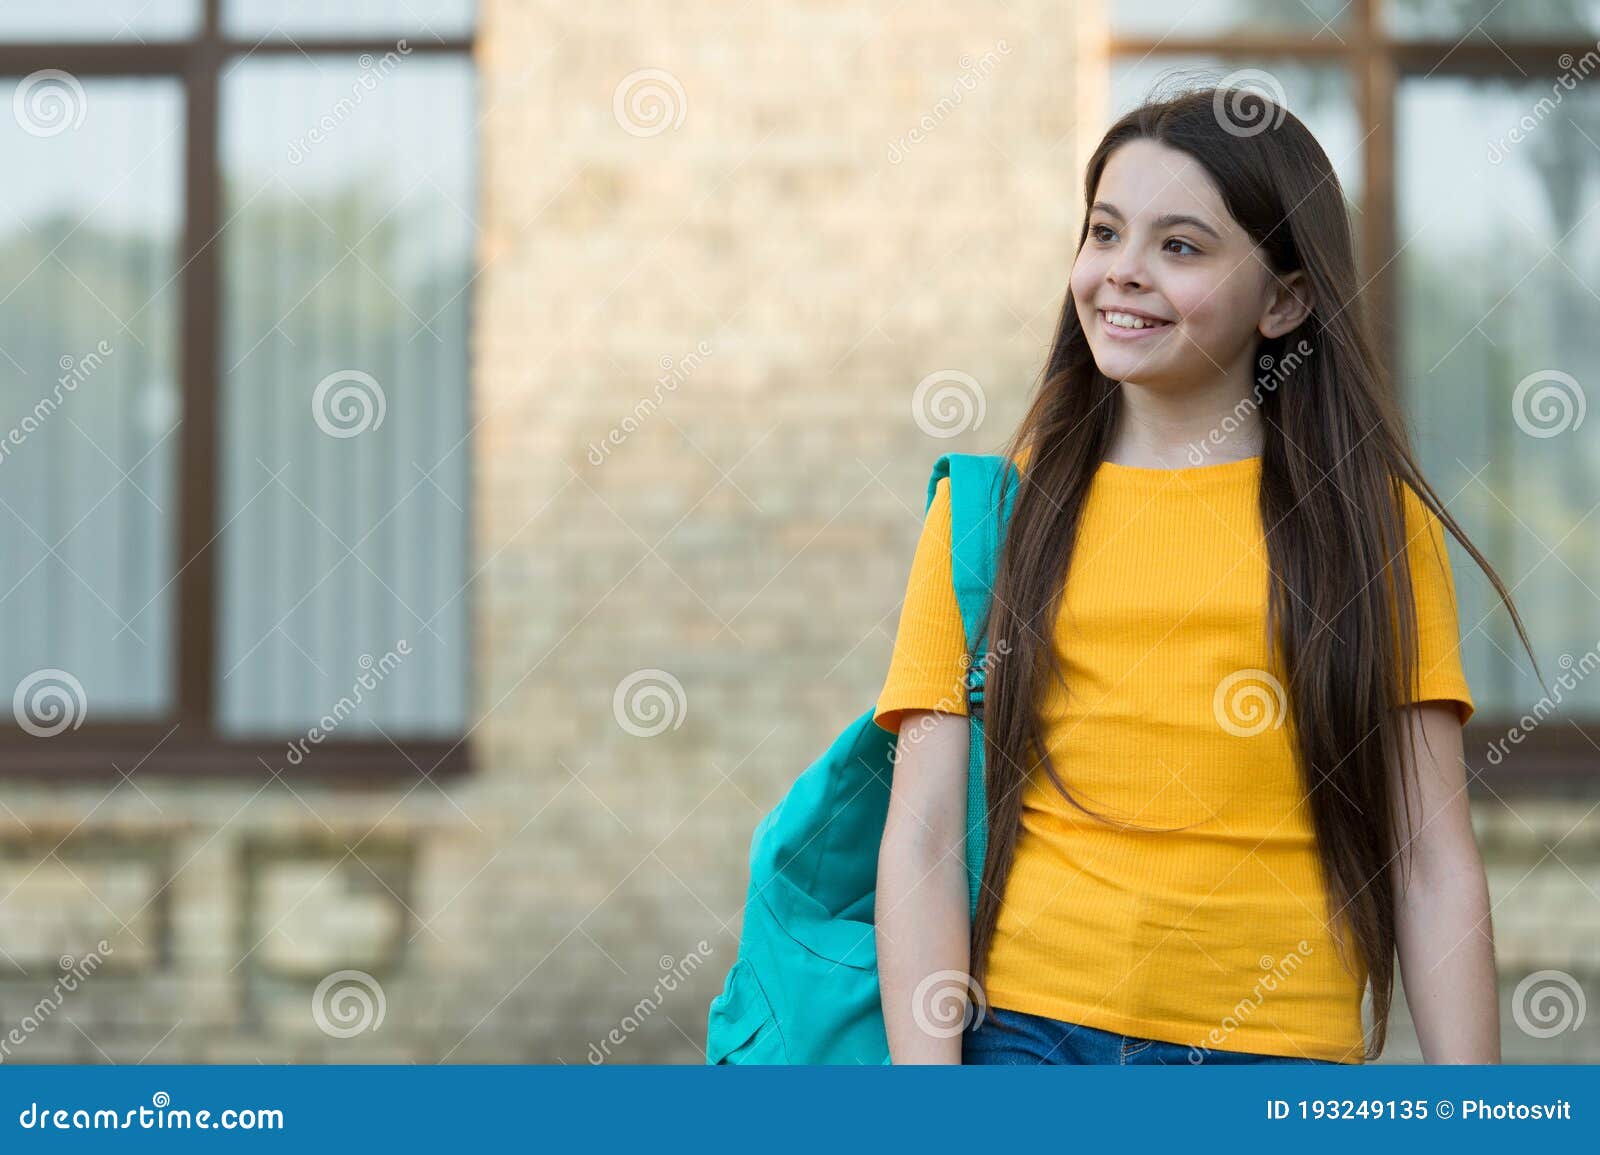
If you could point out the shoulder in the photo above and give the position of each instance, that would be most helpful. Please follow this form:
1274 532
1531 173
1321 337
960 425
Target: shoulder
1415 508
937 520
1426 548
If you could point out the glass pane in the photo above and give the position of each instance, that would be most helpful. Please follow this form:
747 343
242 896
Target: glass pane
123 21
1491 19
1501 253
1321 20
347 258
89 239
349 17
1319 95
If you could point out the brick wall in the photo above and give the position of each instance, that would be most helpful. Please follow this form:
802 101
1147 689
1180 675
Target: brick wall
702 327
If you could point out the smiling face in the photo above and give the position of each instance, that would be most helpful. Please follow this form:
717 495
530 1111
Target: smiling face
1170 290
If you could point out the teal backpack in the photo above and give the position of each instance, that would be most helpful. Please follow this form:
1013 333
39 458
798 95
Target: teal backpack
804 988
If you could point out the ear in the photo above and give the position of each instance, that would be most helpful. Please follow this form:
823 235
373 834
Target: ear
1289 302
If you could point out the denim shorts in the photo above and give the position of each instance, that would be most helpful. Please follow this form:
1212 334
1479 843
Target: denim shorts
1016 1037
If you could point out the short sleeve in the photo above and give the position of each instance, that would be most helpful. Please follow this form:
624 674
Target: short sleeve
1439 673
927 670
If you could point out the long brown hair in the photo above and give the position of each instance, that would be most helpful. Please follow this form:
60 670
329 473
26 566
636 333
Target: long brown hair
1335 455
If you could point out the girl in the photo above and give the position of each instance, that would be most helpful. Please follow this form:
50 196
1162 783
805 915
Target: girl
1224 756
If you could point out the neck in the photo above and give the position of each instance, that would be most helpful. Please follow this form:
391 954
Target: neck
1208 423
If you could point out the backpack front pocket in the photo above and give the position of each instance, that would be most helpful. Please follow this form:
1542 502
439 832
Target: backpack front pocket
740 1026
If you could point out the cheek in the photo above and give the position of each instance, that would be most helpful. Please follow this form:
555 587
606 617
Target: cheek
1086 274
1214 314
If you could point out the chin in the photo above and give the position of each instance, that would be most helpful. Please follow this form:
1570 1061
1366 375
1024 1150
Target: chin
1133 375
1120 367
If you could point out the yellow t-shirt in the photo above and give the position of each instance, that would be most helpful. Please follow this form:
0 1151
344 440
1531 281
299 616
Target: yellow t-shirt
1214 935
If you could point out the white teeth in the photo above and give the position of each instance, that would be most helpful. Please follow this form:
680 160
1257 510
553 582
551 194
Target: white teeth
1129 321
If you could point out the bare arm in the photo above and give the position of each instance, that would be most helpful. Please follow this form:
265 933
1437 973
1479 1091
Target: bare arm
1444 930
921 918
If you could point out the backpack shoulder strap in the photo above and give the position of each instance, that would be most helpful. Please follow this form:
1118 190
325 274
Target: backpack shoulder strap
982 489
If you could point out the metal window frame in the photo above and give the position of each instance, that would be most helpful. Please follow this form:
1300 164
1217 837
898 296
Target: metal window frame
186 742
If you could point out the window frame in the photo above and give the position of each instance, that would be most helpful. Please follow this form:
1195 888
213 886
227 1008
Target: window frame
1552 760
186 742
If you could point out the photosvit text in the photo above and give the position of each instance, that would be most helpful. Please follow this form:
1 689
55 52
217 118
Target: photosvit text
1470 1109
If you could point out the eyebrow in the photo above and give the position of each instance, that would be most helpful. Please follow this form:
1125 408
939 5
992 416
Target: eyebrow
1165 221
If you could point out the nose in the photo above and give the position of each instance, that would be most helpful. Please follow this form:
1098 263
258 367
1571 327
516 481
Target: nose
1127 269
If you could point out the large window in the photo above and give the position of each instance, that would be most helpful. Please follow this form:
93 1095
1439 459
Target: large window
236 243
1467 136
